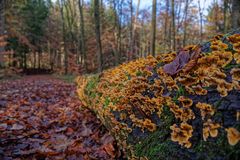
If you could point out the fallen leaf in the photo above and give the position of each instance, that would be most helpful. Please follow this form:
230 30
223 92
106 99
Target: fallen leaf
109 149
17 127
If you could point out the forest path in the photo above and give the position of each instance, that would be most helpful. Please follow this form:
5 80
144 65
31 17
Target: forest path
41 118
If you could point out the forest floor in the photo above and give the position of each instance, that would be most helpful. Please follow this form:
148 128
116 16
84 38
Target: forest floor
42 118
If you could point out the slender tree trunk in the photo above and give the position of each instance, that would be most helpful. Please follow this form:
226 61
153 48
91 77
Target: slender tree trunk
235 14
2 17
101 14
82 32
59 57
131 31
69 19
34 59
167 38
178 20
173 26
25 60
115 29
225 15
120 30
153 35
39 58
201 21
2 28
64 39
134 29
98 34
185 23
50 55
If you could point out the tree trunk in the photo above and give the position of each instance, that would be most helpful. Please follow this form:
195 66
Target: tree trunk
25 60
225 15
34 59
70 21
115 30
201 21
39 59
185 23
2 28
134 29
235 14
82 32
173 26
166 24
98 35
64 39
153 35
50 55
120 31
131 31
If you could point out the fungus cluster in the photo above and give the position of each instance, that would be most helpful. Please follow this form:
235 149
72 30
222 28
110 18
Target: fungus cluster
184 113
210 129
218 45
135 95
182 134
235 72
235 40
143 124
205 109
186 102
199 90
233 136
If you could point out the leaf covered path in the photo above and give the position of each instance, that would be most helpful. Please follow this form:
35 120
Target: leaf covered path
41 118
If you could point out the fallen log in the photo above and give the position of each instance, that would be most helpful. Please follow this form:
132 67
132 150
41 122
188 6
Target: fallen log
183 105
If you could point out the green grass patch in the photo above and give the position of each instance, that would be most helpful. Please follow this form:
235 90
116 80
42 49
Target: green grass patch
69 78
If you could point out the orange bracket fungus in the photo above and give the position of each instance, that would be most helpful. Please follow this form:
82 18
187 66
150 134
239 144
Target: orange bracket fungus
233 136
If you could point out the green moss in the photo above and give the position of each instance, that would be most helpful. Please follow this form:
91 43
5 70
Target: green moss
152 148
106 102
157 145
217 147
139 73
91 86
69 78
180 92
230 66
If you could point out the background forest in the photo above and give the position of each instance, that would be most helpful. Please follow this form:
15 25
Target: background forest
86 36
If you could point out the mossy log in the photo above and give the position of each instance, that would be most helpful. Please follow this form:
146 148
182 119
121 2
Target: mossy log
183 105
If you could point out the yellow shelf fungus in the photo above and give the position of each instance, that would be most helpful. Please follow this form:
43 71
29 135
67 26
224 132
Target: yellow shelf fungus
210 129
205 109
233 136
182 134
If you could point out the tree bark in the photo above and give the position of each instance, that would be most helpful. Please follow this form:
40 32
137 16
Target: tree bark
64 39
120 31
134 28
167 36
173 26
131 31
185 23
153 35
201 21
235 14
34 59
115 29
82 33
225 15
2 28
98 35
